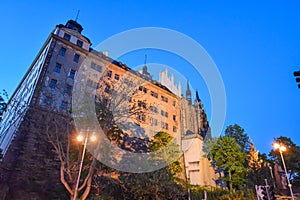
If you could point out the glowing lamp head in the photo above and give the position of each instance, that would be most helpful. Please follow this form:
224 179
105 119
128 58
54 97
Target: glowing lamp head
93 138
282 148
80 138
276 145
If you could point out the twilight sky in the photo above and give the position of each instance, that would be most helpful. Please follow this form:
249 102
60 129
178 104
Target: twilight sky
255 45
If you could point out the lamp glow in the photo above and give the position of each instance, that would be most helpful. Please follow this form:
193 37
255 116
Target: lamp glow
80 138
282 148
93 138
276 145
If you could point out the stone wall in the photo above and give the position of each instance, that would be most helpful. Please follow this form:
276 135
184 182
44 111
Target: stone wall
30 169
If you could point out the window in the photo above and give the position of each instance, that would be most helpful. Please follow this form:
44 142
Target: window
153 121
96 67
174 117
63 105
53 83
62 51
141 88
143 118
72 74
142 104
154 94
164 99
79 43
194 164
164 125
48 100
107 89
92 84
117 77
153 109
67 36
174 103
57 67
128 82
76 58
109 73
68 89
163 113
174 129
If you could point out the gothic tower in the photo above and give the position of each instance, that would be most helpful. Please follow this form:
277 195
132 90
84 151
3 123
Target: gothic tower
188 93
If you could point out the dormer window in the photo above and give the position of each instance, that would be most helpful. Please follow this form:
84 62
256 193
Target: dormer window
79 43
67 36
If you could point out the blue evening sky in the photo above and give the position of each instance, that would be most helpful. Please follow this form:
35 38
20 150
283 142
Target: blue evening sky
255 45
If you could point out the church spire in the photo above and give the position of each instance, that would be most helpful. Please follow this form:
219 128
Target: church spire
197 96
188 93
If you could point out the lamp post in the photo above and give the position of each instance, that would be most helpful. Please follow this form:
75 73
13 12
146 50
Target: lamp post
80 138
281 149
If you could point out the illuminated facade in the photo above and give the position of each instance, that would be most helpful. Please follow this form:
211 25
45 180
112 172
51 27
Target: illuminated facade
49 83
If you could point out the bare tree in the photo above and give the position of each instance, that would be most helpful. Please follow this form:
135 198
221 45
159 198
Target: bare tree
113 101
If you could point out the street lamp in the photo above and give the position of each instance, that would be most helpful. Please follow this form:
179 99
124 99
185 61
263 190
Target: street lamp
281 149
80 138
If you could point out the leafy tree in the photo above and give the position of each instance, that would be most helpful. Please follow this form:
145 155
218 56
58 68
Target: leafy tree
238 133
253 160
291 155
228 156
296 180
159 184
259 171
162 140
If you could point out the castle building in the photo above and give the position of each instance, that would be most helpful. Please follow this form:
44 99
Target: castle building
48 85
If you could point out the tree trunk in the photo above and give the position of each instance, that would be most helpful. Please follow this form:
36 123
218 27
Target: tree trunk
87 189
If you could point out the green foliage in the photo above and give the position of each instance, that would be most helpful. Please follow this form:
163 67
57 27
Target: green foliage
238 133
228 156
166 151
258 176
161 139
296 180
239 195
291 156
197 192
159 184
